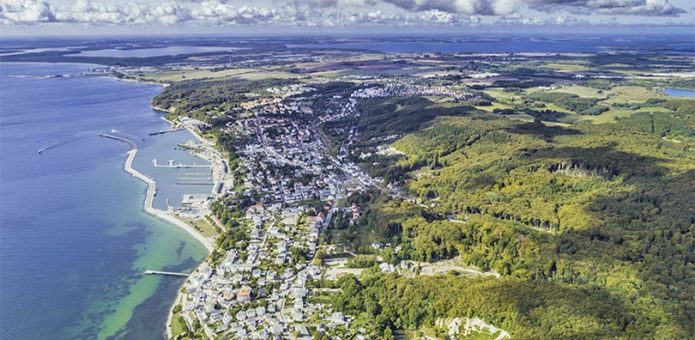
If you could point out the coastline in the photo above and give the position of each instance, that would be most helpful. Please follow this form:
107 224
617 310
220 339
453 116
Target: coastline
149 199
105 294
219 165
137 81
169 218
151 184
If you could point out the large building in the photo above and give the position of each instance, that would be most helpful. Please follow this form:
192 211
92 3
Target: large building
244 294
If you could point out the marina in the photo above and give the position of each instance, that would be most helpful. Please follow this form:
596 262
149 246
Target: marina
171 164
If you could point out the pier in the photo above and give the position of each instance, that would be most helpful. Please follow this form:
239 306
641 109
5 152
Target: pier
161 132
164 215
157 272
126 140
171 164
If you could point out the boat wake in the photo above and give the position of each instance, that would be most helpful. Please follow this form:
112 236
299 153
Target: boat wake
80 135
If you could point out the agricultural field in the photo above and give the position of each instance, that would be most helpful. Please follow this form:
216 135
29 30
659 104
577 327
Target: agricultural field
240 73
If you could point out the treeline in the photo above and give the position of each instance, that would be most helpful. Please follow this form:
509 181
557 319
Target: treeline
572 102
679 106
206 99
398 115
227 141
607 206
527 310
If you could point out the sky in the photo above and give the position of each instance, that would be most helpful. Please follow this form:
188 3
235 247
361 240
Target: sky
70 17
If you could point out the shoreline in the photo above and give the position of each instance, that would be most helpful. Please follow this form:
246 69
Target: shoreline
161 214
169 218
219 166
166 216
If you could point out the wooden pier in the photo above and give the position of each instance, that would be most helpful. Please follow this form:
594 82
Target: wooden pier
157 272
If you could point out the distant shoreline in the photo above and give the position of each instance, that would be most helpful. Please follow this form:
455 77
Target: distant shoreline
138 81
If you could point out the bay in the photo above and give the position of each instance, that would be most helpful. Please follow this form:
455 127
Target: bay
74 239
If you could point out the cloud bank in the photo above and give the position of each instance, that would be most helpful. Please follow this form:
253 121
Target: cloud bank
325 12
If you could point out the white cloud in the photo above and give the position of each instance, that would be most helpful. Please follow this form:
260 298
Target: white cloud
322 12
216 12
90 12
483 7
25 11
170 13
506 7
336 3
617 7
439 17
518 19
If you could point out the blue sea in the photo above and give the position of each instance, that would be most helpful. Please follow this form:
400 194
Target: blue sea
74 239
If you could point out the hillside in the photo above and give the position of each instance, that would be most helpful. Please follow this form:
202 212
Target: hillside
592 222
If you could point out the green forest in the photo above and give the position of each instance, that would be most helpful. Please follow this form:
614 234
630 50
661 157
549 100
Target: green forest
590 226
526 309
211 100
572 102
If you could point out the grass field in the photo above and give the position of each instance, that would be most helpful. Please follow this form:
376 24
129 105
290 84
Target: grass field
243 73
582 91
177 324
616 95
176 76
631 94
500 94
551 106
611 115
327 74
567 67
202 225
495 105
267 75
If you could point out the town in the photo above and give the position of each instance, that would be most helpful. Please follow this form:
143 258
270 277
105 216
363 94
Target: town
290 184
332 174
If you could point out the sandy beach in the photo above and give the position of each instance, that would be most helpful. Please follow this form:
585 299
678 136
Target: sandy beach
218 167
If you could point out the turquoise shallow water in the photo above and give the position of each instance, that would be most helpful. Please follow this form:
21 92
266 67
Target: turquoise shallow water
74 240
